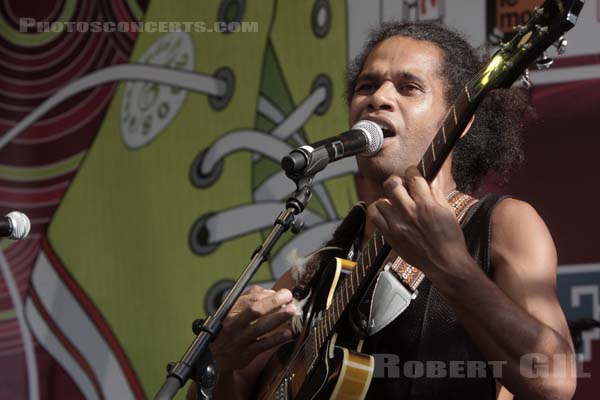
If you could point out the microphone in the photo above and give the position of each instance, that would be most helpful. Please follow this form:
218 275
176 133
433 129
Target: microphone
14 225
365 138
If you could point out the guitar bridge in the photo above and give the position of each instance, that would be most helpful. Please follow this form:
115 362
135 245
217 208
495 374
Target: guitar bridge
283 390
313 349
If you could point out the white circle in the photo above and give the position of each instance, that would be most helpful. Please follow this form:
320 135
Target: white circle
147 108
322 17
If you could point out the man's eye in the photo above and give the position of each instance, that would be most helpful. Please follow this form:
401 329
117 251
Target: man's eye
408 87
364 87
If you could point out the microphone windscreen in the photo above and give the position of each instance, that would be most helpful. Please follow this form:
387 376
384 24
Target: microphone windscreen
374 134
20 224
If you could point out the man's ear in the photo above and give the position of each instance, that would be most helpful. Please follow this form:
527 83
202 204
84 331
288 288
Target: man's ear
468 126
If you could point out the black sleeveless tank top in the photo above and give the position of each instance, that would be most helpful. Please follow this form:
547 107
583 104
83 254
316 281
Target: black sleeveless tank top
427 343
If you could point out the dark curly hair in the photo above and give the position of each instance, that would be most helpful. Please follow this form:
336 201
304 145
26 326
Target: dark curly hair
494 141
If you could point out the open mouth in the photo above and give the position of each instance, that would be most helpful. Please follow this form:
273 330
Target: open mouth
387 132
385 126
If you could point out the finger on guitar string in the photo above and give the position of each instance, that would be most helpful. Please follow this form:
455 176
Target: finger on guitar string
256 293
267 305
251 295
417 186
379 213
395 191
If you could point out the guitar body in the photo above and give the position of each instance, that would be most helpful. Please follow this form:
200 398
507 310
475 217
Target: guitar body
341 374
338 373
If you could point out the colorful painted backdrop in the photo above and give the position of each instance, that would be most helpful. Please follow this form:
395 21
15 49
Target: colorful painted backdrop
148 164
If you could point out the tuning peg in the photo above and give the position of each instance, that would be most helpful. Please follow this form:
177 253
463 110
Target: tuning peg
544 62
543 29
520 28
525 79
561 45
504 47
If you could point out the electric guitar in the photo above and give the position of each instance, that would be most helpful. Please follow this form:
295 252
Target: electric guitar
315 367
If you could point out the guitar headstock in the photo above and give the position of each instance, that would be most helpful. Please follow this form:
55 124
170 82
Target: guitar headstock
547 25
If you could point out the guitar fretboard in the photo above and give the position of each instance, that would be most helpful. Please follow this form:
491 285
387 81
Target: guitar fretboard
453 126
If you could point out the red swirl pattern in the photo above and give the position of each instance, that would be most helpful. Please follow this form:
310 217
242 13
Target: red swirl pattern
29 75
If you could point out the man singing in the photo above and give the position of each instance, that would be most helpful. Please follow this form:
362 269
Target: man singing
489 293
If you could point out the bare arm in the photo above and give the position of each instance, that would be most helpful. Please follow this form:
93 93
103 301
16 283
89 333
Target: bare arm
526 316
524 258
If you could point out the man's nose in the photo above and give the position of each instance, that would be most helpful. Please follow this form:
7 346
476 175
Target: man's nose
382 98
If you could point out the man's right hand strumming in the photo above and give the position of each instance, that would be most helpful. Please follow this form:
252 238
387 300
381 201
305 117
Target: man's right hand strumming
254 325
253 329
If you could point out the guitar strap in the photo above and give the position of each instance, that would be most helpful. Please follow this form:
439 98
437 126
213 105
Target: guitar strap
397 285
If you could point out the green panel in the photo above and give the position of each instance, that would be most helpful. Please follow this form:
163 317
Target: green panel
7 315
137 12
41 172
275 89
122 229
303 56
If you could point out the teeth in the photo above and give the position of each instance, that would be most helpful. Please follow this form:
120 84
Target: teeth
387 131
383 125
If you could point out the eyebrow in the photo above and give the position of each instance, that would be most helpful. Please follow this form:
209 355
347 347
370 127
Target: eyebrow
402 75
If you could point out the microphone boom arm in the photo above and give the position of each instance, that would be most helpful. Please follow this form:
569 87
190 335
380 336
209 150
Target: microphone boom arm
190 365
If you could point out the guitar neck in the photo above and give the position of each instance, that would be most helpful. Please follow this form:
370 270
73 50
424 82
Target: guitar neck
454 124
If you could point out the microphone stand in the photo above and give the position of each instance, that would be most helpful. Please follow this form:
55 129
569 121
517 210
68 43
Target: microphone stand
197 360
